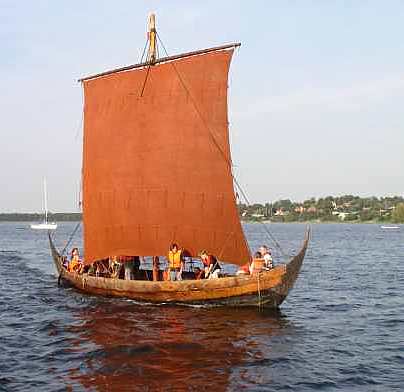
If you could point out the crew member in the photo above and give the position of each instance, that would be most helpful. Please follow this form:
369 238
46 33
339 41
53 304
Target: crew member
267 256
175 262
156 268
257 263
128 267
211 265
75 262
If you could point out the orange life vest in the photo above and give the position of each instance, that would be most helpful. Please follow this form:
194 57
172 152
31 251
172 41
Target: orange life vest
257 265
174 259
74 264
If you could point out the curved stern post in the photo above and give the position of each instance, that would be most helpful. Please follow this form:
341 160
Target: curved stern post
55 255
293 268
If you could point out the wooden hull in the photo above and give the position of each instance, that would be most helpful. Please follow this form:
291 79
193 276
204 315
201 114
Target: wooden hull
266 289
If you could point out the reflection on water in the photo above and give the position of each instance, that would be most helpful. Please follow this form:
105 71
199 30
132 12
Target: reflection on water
169 347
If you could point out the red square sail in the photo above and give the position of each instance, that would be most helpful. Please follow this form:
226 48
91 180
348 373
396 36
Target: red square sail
157 165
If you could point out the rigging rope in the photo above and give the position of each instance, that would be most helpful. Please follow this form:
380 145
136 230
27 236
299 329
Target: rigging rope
224 244
227 160
145 80
259 290
144 50
71 238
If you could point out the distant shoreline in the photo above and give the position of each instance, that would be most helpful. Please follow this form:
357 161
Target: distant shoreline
330 209
35 217
77 217
314 222
338 209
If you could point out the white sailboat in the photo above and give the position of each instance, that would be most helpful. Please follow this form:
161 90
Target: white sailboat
45 225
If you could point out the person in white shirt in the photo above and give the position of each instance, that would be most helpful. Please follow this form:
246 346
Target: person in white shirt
266 254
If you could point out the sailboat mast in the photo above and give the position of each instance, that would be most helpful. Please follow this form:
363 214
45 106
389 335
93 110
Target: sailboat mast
152 38
45 200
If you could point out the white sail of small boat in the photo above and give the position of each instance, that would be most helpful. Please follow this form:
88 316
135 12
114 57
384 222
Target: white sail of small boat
45 225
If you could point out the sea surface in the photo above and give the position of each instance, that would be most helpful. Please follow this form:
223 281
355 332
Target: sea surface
340 329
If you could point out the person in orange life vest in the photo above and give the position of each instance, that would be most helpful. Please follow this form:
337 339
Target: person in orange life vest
175 262
257 263
267 256
75 262
211 265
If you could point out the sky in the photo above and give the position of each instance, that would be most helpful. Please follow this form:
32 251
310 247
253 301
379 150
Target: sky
316 90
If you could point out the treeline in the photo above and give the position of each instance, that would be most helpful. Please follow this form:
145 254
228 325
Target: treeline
347 208
26 217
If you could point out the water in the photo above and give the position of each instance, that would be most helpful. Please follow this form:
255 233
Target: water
341 328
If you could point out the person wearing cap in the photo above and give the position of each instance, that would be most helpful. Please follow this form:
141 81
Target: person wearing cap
211 265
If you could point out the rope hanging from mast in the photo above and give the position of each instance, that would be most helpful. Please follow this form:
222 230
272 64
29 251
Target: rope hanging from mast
71 238
144 50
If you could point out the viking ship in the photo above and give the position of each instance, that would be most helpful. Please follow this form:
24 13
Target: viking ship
157 169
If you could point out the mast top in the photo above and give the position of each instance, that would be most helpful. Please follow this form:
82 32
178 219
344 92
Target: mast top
152 39
152 57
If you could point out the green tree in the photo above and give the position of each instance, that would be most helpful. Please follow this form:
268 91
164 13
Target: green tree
366 215
398 213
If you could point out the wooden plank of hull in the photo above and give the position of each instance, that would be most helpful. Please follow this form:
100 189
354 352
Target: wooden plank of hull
268 289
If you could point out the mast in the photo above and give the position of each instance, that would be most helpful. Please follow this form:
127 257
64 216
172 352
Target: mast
152 39
45 200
